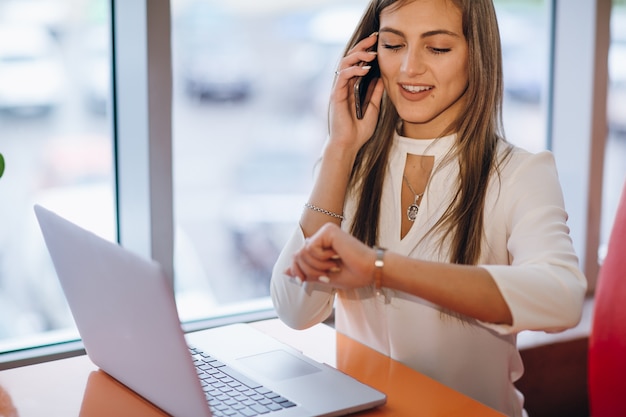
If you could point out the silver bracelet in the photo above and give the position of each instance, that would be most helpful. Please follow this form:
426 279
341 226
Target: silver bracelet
321 210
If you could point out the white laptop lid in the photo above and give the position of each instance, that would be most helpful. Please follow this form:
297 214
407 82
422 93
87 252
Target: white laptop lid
125 312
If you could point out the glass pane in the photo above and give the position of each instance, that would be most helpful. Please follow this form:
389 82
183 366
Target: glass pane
251 87
525 39
615 167
56 140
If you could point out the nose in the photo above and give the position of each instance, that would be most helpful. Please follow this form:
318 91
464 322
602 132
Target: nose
414 63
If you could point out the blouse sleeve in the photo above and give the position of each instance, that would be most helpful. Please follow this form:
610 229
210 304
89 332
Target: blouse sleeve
298 306
543 285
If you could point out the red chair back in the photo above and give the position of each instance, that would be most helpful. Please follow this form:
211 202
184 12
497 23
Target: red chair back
607 341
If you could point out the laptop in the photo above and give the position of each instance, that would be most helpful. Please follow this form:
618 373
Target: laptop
125 312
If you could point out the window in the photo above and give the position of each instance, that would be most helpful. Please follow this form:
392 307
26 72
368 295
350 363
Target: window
250 99
525 37
615 153
55 130
250 84
249 109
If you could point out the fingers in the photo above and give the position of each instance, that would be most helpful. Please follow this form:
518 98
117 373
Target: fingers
332 257
356 61
314 263
355 65
301 272
364 49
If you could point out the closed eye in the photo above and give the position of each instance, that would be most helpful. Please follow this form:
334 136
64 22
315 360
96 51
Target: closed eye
391 47
439 51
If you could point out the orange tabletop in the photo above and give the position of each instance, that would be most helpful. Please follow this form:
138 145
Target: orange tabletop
409 393
75 387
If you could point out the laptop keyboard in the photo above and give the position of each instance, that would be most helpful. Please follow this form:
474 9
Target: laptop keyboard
231 394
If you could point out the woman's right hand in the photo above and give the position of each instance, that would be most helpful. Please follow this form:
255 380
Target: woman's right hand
345 128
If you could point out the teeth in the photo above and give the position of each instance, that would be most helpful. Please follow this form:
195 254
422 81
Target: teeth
416 88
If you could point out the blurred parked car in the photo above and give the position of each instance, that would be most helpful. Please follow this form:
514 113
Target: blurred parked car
51 15
525 72
313 40
268 193
215 57
95 69
214 71
524 54
31 70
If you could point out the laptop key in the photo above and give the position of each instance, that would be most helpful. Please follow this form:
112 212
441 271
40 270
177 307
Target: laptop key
239 377
257 397
271 395
248 412
274 406
224 385
260 409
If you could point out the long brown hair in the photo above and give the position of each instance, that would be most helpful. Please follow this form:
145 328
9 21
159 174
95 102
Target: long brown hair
478 128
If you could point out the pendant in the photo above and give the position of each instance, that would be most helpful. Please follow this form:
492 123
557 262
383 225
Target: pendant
411 212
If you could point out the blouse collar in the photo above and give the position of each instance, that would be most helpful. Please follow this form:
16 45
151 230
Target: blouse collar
436 147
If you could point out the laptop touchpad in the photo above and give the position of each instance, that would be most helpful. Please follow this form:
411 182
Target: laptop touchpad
278 365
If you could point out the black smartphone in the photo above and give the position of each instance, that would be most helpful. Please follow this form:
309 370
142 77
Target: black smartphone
364 87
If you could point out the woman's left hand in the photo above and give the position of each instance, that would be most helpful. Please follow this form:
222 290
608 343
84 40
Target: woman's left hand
334 257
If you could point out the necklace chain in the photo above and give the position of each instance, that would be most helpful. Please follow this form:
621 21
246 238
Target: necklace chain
411 211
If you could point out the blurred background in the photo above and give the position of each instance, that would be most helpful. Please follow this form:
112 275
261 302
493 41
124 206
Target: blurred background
251 83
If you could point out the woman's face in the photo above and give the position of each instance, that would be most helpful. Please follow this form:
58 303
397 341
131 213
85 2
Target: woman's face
423 58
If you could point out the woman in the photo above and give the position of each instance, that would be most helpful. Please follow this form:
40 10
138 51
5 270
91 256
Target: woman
477 246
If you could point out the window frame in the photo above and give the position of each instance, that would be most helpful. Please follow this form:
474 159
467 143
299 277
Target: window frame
577 118
142 133
142 128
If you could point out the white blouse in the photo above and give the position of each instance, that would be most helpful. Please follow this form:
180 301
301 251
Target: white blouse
526 249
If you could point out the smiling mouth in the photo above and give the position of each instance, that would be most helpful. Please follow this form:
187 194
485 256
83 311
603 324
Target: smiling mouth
416 88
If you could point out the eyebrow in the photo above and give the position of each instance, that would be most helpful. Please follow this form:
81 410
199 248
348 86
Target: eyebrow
423 35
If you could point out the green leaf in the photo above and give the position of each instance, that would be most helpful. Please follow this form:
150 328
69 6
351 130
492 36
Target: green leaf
1 165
